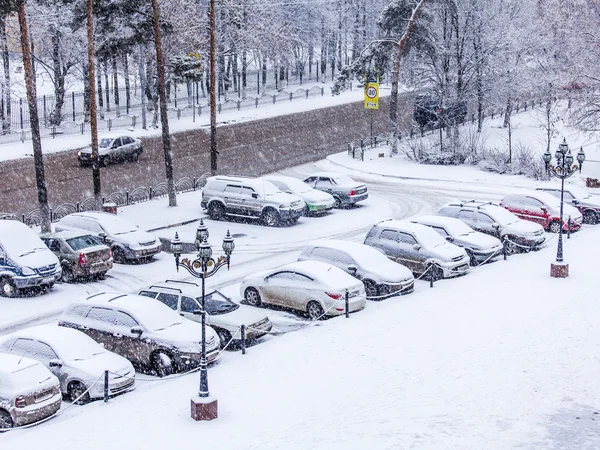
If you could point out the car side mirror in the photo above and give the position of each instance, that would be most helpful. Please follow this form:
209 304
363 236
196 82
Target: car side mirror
254 195
417 247
544 209
575 202
352 268
495 225
102 235
55 363
137 330
449 238
288 192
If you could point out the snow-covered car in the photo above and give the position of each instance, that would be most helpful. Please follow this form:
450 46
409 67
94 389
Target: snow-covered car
127 242
76 360
381 276
419 248
543 208
148 333
345 191
312 287
316 201
112 149
587 204
491 218
479 246
222 314
80 254
25 261
28 391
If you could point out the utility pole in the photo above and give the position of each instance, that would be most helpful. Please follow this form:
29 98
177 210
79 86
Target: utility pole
213 91
164 119
36 139
93 118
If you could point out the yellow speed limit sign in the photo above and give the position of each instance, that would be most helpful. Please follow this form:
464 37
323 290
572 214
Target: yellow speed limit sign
372 95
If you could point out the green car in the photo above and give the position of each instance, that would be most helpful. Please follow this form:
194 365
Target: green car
317 202
344 189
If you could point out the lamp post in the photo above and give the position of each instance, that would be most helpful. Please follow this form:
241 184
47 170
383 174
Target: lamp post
204 266
563 169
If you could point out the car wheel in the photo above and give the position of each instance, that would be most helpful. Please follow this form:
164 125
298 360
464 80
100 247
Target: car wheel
305 211
162 364
82 164
118 255
590 217
5 420
509 247
101 276
270 217
216 211
252 297
134 156
371 288
105 160
338 203
224 337
67 275
314 310
76 394
9 289
554 227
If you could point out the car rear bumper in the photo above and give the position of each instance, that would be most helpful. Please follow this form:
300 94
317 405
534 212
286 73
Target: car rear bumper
355 304
355 198
35 413
93 269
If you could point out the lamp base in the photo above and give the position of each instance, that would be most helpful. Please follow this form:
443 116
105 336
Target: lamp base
204 408
559 270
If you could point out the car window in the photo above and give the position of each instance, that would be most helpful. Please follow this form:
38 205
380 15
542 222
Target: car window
92 226
534 203
233 189
467 215
485 219
52 244
189 305
441 231
104 315
389 235
281 186
567 196
34 349
117 142
79 311
168 299
122 319
127 140
148 294
310 180
333 255
248 191
449 211
81 242
289 276
324 181
406 238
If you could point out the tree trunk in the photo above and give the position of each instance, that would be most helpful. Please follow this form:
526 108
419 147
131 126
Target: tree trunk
143 82
6 97
59 80
213 92
127 86
116 85
164 119
107 85
507 112
93 118
100 99
86 92
38 158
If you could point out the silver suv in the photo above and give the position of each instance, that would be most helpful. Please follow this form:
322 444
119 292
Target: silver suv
491 218
250 197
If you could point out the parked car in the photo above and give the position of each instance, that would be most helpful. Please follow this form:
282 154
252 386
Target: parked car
75 359
25 261
28 391
127 242
316 201
252 198
426 110
480 247
222 314
419 248
381 276
149 334
543 208
345 191
587 204
312 287
80 254
491 218
112 149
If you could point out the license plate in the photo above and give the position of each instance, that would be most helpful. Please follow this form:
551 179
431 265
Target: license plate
48 280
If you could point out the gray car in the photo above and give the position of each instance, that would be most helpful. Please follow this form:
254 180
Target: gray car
479 246
345 191
587 204
112 149
80 254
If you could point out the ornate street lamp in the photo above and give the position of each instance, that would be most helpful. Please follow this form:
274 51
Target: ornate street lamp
563 169
204 266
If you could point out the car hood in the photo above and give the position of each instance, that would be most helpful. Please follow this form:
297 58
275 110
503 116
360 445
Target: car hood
186 334
96 365
135 238
569 210
593 201
40 258
101 150
283 197
317 197
448 250
395 273
479 240
244 315
522 226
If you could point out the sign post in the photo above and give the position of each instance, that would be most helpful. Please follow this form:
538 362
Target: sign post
371 99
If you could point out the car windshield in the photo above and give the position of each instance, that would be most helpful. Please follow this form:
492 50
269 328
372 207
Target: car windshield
17 244
503 216
458 228
81 242
579 193
428 237
297 186
78 349
217 303
269 188
344 180
118 226
157 316
105 143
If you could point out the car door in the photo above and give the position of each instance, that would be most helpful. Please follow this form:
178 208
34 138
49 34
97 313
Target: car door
487 224
296 289
413 258
536 211
116 149
325 184
98 327
281 288
252 203
187 306
233 198
470 218
389 243
133 346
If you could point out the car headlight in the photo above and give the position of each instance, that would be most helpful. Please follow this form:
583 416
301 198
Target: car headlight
283 206
78 153
28 271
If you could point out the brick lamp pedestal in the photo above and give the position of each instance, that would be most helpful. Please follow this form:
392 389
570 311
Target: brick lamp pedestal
559 270
204 408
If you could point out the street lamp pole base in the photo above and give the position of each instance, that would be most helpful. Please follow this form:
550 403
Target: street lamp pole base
559 270
204 408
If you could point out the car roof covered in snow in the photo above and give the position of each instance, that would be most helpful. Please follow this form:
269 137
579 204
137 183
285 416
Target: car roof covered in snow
359 252
65 234
323 272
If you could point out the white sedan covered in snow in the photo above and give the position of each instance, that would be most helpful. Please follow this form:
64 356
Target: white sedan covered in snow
77 360
313 287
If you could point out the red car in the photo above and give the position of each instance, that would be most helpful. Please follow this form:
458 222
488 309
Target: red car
542 208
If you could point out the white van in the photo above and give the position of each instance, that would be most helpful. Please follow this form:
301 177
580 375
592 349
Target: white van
25 261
